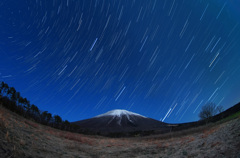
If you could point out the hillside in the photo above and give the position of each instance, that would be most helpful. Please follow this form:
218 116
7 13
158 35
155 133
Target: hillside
20 137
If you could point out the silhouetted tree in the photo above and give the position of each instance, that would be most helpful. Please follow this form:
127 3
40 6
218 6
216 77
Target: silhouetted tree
66 125
209 110
12 100
35 113
20 110
27 106
20 101
18 97
57 120
12 93
44 117
34 109
49 117
1 87
4 89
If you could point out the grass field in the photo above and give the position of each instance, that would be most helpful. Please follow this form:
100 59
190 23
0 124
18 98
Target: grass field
20 137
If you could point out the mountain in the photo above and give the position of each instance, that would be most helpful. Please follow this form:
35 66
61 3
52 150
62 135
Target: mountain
119 121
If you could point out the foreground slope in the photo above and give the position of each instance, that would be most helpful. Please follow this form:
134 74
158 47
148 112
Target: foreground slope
20 137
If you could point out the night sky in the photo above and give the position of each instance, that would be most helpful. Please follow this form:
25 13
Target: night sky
81 58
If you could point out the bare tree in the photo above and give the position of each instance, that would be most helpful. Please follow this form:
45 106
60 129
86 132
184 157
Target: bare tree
209 110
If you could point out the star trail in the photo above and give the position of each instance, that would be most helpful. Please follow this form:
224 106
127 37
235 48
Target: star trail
163 59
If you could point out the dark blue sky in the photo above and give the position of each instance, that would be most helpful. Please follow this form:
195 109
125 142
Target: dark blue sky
81 58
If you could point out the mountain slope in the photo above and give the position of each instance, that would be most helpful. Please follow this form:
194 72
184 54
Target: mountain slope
119 121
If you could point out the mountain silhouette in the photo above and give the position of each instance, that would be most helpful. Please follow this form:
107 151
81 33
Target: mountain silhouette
117 121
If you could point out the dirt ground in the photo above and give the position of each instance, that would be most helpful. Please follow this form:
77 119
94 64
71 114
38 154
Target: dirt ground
20 137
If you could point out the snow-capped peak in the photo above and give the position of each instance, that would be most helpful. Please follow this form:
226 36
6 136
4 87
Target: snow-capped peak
119 113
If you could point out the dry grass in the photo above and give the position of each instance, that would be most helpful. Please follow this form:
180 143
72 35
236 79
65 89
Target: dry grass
24 138
32 124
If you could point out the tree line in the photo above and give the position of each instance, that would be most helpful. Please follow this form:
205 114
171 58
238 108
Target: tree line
12 100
